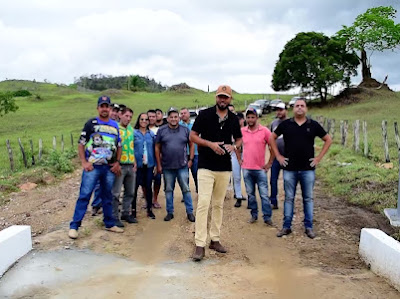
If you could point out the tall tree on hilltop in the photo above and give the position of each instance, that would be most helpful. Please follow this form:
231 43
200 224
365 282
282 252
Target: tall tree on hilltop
373 30
314 62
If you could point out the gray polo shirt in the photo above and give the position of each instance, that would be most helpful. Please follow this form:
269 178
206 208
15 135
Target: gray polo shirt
173 146
279 142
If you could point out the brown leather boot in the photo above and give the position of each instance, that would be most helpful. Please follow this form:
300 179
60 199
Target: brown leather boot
216 245
199 253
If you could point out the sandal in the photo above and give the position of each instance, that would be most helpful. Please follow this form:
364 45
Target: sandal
156 205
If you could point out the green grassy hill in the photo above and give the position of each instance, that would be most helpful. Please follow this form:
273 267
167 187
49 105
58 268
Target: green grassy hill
55 110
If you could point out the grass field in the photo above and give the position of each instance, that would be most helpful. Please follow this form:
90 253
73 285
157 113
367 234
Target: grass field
55 110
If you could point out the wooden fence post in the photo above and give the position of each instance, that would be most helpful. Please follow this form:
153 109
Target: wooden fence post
328 127
332 131
341 131
23 153
10 155
72 140
33 157
320 120
365 138
62 143
344 132
385 141
54 143
396 133
40 149
356 127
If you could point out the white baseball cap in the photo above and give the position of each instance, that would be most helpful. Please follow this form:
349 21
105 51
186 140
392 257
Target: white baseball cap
281 106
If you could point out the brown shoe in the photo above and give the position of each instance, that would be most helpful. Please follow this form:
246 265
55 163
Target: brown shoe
199 253
216 245
283 232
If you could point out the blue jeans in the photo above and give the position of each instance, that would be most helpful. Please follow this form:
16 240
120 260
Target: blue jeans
102 174
96 203
251 178
290 180
237 177
144 177
193 170
170 176
275 170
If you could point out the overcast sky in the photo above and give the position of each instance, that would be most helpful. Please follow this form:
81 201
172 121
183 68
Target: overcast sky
200 42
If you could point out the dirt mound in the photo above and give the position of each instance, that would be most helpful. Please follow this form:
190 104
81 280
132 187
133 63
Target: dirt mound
372 83
181 86
350 95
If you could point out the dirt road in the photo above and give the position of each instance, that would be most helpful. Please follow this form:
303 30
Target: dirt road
258 264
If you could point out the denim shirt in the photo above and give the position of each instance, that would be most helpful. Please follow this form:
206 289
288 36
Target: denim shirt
139 139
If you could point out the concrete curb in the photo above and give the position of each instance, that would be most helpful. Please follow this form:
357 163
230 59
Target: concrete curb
381 253
15 242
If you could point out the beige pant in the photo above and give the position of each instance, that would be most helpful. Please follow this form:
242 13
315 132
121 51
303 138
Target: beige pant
212 189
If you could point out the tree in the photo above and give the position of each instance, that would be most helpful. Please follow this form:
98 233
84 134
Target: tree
137 83
7 103
313 62
373 30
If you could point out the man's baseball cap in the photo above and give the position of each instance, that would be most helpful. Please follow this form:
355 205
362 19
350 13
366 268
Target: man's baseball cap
224 90
251 111
281 106
103 100
172 109
115 106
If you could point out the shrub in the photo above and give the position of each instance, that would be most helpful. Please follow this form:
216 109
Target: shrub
60 162
22 93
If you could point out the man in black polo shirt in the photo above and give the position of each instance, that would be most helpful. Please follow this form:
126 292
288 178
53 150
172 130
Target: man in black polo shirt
213 132
299 163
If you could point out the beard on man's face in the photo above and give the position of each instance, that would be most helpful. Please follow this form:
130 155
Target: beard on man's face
224 107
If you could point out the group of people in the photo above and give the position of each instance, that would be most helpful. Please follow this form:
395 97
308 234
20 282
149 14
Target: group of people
217 141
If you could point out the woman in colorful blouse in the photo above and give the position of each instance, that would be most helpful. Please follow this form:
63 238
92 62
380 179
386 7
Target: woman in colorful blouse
145 159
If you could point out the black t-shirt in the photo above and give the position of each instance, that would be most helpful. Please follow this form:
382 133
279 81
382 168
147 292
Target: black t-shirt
299 142
210 127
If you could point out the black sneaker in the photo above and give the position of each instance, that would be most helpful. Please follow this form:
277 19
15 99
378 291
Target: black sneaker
95 210
191 217
274 207
310 233
119 223
283 232
169 217
129 218
151 215
268 222
238 203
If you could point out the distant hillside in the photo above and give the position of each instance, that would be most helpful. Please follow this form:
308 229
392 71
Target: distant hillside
134 83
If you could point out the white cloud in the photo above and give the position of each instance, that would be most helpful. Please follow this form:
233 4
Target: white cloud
198 42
